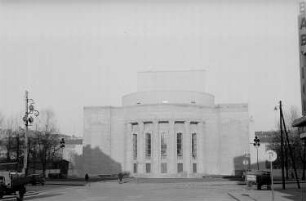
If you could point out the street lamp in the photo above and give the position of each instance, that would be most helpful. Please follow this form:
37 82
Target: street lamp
28 120
256 145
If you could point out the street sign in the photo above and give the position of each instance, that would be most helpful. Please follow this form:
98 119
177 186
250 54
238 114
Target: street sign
271 155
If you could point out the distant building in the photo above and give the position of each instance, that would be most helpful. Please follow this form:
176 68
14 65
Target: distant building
169 128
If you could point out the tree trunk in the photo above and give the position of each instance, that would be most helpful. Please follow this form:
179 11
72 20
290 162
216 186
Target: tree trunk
44 162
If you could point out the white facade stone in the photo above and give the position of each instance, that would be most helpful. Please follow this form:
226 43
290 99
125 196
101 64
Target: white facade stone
222 131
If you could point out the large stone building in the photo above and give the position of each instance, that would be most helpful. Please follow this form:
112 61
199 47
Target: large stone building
169 128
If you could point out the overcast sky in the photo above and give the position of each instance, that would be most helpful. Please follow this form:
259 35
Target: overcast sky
73 53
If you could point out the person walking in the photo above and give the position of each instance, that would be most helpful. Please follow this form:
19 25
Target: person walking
87 180
120 176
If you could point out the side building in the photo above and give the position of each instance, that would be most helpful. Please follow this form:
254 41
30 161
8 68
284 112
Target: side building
170 128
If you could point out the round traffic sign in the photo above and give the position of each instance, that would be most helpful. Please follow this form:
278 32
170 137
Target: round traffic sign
271 155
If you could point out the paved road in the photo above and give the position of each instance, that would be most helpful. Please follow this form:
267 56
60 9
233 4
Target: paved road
222 190
132 191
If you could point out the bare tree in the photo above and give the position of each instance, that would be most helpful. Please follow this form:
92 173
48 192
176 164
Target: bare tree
47 121
46 137
299 155
11 132
43 140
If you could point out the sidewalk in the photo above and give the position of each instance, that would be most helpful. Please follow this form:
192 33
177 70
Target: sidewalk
291 193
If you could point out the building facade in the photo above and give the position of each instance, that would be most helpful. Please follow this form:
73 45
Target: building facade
302 54
170 128
301 122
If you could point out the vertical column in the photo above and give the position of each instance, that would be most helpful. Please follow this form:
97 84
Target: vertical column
156 149
187 148
129 148
201 148
141 148
171 149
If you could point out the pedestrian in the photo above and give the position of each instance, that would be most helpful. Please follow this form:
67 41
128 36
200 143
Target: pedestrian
120 176
87 179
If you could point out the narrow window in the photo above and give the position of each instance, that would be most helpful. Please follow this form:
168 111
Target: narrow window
148 146
135 146
302 72
180 167
194 168
135 167
148 167
163 146
179 142
163 168
303 89
194 146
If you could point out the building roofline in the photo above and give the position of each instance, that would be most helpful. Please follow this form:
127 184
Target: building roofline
165 91
170 71
299 122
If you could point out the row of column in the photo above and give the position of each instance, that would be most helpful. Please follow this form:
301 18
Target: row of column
141 128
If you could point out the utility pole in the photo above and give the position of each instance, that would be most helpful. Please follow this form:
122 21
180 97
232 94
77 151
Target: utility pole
290 151
282 143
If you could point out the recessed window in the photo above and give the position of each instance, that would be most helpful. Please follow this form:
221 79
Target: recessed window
194 167
163 168
179 144
148 145
134 146
163 145
148 167
180 167
135 167
194 145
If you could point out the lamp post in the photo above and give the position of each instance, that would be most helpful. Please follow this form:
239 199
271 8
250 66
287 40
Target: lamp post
28 120
256 145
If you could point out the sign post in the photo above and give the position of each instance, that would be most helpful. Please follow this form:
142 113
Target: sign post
271 156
